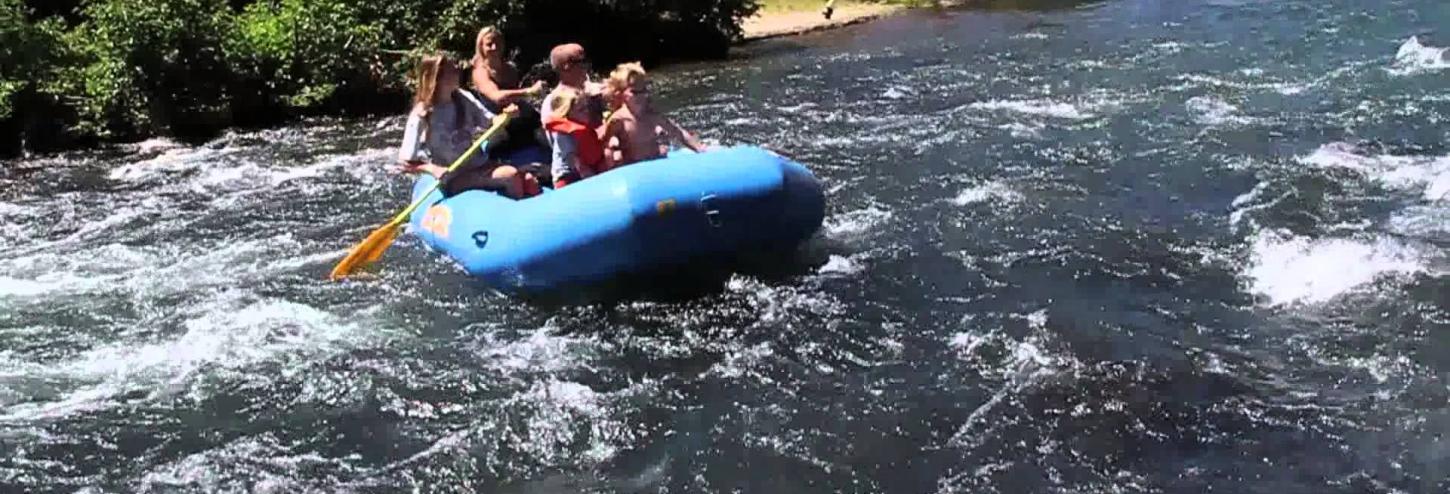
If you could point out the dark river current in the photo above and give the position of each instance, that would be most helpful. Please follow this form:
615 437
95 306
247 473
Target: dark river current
1115 247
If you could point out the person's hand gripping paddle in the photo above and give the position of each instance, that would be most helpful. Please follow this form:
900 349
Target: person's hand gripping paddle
371 249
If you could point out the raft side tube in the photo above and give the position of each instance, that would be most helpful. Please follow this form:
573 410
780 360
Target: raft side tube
704 207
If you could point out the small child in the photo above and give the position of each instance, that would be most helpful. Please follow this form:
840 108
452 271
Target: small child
571 123
636 131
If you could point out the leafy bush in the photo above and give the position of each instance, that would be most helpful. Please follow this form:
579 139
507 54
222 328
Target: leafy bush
301 52
28 52
149 67
187 68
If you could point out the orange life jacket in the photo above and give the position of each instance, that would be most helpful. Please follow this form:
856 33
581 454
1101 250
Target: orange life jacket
589 148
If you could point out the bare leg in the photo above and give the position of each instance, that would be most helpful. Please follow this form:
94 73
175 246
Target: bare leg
511 180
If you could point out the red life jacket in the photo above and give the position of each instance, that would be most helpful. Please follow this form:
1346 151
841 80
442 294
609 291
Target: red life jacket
589 149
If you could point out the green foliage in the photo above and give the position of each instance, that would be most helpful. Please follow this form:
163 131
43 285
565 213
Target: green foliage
27 52
149 66
134 68
302 51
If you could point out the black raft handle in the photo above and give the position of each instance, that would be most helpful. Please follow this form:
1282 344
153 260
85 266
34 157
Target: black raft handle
480 238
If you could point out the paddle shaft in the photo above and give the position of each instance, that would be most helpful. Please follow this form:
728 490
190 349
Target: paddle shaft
498 123
377 242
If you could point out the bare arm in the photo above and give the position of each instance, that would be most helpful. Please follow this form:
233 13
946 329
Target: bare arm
677 134
613 143
411 154
501 97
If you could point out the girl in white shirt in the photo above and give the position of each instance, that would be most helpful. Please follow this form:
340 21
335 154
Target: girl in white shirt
443 124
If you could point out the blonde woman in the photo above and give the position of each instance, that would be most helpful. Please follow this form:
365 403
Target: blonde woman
494 77
497 81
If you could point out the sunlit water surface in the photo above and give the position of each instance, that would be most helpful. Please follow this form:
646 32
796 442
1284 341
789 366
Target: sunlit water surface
1128 246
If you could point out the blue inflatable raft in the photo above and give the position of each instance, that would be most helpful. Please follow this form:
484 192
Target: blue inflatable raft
646 217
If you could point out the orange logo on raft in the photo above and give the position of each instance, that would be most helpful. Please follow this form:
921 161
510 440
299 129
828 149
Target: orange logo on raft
437 220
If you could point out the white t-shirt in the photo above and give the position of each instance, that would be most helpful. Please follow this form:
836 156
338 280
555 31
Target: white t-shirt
450 131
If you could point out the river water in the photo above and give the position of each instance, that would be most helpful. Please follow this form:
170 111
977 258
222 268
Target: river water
1124 246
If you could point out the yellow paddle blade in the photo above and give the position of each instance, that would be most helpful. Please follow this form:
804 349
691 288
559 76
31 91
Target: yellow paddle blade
372 248
369 251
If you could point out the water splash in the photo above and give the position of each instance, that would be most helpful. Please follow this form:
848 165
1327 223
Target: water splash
1415 58
1041 107
1428 174
1288 269
985 192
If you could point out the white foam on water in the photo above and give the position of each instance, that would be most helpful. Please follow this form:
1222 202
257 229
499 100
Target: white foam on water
1170 47
85 216
1201 80
22 288
1380 367
120 269
1439 187
542 351
1026 364
152 146
226 333
8 209
1429 174
1037 320
738 362
1246 203
1291 89
560 413
993 191
1430 223
171 161
50 273
897 92
856 224
252 176
1416 58
797 109
1289 269
257 464
1027 355
49 284
210 175
1211 111
842 265
1022 130
966 343
1040 107
772 303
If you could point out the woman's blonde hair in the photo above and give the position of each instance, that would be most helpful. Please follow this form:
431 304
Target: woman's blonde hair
622 78
483 35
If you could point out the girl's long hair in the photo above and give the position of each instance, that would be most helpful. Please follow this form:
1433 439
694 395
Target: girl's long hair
427 78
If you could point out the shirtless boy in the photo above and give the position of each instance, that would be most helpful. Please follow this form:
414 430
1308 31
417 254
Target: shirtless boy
636 131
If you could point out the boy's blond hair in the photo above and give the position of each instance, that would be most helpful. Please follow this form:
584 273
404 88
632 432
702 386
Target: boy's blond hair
622 78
